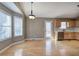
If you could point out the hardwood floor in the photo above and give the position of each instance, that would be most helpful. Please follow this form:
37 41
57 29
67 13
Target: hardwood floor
44 48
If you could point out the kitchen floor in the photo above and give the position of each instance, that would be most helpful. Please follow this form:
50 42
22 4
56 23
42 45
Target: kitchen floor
44 48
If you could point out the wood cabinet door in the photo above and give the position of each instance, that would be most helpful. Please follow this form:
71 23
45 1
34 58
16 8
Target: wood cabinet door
77 23
56 23
72 23
77 35
69 35
72 35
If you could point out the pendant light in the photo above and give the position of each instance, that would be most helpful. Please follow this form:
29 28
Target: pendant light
31 16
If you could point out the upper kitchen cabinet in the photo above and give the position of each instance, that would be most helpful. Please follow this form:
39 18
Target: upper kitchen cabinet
72 23
77 22
57 23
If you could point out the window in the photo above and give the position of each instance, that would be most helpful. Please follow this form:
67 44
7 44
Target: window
5 26
17 26
63 25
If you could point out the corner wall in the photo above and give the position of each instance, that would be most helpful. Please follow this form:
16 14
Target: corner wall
36 28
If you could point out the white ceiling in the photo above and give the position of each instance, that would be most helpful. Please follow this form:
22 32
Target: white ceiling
12 6
52 9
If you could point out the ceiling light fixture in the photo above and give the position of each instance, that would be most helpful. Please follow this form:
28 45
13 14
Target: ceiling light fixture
31 16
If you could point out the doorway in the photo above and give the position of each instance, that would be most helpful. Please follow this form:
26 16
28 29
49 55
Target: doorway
48 36
48 29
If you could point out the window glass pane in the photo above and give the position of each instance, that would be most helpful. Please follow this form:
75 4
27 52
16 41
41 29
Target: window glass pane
7 22
5 26
17 26
5 33
63 25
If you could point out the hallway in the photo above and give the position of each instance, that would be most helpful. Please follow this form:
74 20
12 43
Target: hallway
38 48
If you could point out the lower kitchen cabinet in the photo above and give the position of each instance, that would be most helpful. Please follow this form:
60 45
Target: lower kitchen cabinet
68 36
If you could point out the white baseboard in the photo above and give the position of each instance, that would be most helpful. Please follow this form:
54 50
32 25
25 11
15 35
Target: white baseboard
34 39
11 45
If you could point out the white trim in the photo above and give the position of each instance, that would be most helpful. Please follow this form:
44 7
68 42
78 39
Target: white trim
35 39
11 45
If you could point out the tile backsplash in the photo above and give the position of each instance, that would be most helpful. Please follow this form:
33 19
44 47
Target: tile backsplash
68 30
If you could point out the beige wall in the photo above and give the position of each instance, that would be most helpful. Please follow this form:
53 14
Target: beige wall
36 28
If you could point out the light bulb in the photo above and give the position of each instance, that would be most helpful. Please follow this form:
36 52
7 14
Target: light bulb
31 17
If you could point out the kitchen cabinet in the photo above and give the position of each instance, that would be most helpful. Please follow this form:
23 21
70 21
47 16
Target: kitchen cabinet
77 35
72 23
77 23
57 23
68 36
